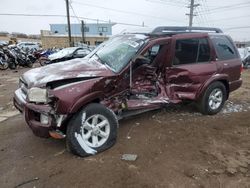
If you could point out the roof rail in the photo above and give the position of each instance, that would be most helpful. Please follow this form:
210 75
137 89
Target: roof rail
176 29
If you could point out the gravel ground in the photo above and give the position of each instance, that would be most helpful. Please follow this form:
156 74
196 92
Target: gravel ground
175 147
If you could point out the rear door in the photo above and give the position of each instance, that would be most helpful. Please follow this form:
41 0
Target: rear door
227 57
190 66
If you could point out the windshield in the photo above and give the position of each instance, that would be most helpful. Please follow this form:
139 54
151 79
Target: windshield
119 50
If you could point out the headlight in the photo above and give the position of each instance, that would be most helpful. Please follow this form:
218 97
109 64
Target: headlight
37 95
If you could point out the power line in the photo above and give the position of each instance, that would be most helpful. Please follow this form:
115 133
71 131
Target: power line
70 4
168 3
227 8
123 11
233 28
230 18
60 15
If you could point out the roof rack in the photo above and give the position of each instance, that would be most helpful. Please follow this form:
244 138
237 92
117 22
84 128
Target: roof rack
181 29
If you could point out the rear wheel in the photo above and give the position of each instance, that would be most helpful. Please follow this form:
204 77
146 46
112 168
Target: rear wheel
213 99
92 130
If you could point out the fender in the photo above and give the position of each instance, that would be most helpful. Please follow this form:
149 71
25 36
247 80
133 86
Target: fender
215 77
85 100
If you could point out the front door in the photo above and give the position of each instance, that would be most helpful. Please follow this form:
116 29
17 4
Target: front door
146 80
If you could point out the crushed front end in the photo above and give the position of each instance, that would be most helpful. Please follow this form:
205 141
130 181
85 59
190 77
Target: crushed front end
38 110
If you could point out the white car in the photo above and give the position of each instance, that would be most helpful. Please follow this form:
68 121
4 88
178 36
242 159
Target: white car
243 52
28 45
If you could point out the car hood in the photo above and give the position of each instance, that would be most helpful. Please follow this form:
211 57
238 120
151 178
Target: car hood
58 56
76 68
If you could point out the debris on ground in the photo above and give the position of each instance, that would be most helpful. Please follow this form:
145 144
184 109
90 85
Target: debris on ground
129 157
59 153
26 182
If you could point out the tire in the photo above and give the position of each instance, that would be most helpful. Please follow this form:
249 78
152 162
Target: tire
12 65
29 64
4 66
213 99
43 60
85 139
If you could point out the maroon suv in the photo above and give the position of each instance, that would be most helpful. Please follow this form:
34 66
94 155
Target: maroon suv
83 99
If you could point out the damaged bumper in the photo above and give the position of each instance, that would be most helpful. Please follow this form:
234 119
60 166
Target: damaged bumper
38 117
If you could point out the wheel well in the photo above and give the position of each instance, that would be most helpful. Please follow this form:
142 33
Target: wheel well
225 82
64 126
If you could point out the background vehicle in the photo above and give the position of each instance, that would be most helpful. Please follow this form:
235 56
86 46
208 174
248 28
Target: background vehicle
243 53
17 57
28 46
65 54
246 61
127 75
3 60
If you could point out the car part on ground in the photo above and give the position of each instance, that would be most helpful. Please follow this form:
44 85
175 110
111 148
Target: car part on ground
128 75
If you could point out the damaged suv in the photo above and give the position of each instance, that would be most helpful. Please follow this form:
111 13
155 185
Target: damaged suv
83 99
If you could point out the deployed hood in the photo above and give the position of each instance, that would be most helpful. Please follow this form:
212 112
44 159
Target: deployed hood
76 68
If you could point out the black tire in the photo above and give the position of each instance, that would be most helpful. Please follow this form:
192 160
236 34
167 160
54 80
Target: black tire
74 128
12 64
4 66
203 104
29 64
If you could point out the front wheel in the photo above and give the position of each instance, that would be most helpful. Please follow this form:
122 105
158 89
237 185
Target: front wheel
213 99
92 130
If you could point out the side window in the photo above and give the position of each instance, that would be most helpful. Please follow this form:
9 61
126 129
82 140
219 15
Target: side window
152 52
189 51
82 52
224 48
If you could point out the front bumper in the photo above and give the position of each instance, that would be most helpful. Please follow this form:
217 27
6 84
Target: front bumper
32 113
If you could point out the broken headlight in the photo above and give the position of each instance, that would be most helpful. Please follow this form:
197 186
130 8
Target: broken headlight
37 95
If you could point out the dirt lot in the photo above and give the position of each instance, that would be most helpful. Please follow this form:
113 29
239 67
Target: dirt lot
176 147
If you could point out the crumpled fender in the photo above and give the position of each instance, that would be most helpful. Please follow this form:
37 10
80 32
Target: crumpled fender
85 100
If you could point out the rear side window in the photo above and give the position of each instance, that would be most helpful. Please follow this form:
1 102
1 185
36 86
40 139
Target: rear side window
224 48
189 51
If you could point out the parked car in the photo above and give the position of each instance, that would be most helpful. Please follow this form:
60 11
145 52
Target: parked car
127 75
66 54
243 53
28 46
246 61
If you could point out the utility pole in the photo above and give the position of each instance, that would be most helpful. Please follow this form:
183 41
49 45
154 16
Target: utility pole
83 32
191 12
68 20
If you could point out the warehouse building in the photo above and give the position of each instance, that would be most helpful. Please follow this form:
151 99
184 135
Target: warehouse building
94 34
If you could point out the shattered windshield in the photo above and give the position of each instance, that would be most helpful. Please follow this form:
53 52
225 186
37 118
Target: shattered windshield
118 51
